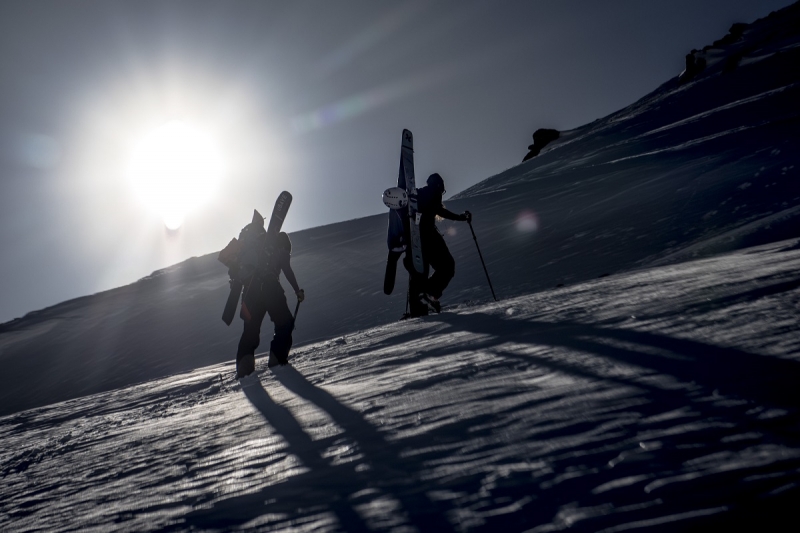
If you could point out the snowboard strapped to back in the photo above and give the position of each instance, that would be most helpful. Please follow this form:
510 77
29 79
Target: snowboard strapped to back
250 253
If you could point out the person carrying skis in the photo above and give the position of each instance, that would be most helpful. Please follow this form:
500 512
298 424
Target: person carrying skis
264 256
434 249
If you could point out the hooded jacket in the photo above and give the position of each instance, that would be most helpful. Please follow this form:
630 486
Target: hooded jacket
429 205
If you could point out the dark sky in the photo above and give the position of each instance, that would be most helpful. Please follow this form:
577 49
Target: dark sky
305 96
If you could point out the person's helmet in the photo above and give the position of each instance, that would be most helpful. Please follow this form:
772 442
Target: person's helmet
284 242
436 181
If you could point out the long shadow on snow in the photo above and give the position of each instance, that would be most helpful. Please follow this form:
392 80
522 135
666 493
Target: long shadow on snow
319 488
383 457
596 447
329 486
756 377
324 485
766 379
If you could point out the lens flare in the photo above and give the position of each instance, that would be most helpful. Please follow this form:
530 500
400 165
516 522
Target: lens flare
527 222
174 170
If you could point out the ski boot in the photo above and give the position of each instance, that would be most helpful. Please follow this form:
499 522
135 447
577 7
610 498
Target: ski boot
245 366
274 360
432 301
417 307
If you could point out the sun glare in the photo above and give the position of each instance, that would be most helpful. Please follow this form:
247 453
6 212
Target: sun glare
175 169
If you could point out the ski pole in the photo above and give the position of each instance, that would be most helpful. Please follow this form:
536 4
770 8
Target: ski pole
474 238
294 318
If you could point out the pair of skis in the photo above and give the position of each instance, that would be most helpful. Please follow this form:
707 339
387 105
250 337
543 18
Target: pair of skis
403 233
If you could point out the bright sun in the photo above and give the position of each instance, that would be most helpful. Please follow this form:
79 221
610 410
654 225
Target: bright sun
175 169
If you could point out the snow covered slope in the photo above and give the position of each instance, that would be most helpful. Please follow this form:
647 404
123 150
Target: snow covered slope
691 170
663 398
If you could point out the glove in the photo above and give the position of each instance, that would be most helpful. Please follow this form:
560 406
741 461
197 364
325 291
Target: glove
301 295
467 216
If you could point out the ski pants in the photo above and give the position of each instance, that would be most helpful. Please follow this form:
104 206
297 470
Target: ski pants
436 254
262 297
416 286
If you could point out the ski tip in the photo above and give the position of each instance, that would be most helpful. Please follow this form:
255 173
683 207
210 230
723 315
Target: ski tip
408 138
283 198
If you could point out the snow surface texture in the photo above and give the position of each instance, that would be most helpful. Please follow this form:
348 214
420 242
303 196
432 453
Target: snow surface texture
662 397
639 372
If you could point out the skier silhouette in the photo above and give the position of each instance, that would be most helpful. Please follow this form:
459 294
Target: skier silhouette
264 256
434 249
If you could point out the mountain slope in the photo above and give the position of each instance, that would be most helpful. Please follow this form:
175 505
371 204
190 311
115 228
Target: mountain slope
660 398
690 170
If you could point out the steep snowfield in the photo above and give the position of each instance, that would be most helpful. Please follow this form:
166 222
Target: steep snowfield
640 370
664 397
688 171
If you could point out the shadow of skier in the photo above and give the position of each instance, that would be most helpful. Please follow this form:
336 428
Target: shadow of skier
762 378
698 368
393 473
325 485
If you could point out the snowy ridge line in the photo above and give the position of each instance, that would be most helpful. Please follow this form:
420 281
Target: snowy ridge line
635 110
639 107
592 130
